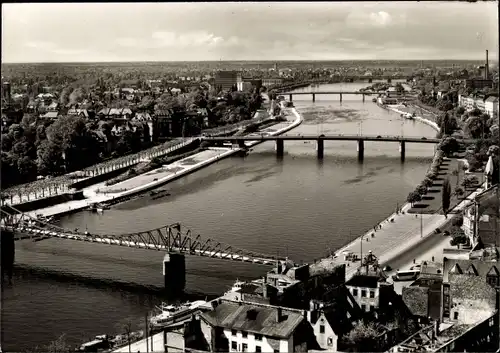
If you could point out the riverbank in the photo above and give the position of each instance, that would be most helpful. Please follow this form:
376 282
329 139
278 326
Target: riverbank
100 193
394 235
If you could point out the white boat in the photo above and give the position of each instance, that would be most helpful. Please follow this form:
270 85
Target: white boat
169 313
236 287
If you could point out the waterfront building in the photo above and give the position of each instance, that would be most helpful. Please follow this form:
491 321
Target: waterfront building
249 327
423 296
481 220
368 287
469 291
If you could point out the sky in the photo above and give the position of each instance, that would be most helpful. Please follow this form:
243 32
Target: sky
108 32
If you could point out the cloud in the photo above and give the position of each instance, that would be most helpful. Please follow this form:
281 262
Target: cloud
251 31
183 40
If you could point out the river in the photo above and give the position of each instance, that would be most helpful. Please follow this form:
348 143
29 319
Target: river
297 206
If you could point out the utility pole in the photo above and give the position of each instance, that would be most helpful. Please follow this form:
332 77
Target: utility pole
361 239
421 227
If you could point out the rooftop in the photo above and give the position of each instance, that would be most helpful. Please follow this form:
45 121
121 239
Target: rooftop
474 267
255 318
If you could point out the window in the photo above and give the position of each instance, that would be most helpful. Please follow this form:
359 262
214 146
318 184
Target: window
372 307
363 307
355 292
234 332
455 316
244 347
363 293
492 280
258 349
258 337
321 328
234 346
372 294
244 334
330 341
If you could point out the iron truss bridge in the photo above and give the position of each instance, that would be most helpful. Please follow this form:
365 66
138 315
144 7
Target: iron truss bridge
170 239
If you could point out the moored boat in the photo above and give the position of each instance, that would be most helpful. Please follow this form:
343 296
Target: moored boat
169 313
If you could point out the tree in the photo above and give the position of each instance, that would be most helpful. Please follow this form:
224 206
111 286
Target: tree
446 196
469 181
421 189
449 145
459 191
364 337
50 161
413 197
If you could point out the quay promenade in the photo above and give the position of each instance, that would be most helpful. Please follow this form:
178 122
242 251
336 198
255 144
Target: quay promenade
100 193
395 237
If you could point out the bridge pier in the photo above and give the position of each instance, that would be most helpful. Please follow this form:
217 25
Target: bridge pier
320 148
340 97
290 96
314 97
174 273
363 97
280 147
8 251
361 150
402 150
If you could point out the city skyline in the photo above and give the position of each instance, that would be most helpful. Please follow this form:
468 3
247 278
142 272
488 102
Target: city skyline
113 32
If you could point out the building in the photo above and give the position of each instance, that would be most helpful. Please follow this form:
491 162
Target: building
478 83
6 92
481 220
226 80
468 292
448 337
266 82
115 113
491 106
249 327
369 286
423 297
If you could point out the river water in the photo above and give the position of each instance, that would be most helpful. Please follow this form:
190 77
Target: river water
297 206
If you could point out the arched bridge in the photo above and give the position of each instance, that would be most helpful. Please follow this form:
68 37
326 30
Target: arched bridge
171 239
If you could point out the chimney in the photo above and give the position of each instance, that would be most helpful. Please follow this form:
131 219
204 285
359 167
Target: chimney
486 67
278 314
436 328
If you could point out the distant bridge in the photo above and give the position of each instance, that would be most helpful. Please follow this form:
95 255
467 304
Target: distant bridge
340 93
240 140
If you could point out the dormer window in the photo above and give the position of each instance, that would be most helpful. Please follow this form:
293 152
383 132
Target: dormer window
492 277
472 270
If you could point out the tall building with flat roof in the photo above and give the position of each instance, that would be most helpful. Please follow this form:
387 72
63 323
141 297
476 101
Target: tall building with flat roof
226 80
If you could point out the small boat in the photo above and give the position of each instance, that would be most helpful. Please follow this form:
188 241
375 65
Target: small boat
100 342
374 100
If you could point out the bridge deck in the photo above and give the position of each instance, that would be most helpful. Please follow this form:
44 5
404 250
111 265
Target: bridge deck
168 238
327 137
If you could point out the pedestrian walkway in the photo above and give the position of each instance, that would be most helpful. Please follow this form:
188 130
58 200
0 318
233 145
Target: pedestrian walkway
393 238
